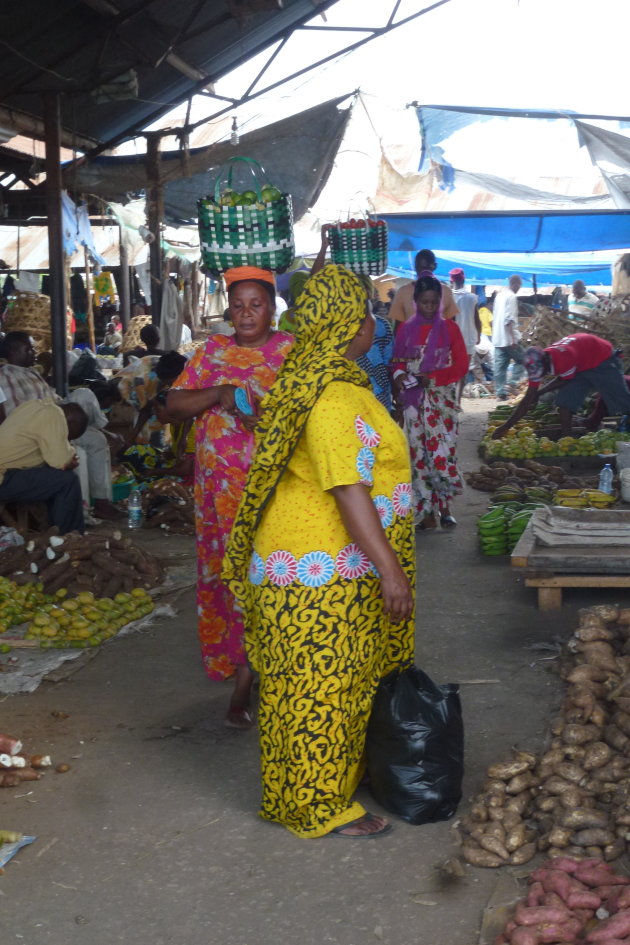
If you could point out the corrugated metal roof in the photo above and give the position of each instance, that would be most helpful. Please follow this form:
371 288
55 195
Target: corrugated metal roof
175 47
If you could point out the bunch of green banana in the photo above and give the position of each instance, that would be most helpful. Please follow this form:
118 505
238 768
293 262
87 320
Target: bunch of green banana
517 525
492 531
540 494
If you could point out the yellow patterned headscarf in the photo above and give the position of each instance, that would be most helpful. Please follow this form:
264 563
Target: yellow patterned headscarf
329 313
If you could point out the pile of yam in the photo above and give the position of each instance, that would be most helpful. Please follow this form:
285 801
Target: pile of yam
574 800
105 564
489 477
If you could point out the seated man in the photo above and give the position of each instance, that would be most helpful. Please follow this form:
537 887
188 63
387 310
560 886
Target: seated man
111 342
150 338
582 363
20 383
95 468
37 461
18 378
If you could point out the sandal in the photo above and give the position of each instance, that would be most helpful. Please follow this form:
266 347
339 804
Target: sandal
238 716
427 522
366 818
447 520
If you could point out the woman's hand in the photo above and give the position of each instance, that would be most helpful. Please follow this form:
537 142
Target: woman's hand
226 398
397 596
424 380
249 421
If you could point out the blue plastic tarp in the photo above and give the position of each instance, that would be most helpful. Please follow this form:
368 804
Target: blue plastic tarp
594 269
555 246
553 231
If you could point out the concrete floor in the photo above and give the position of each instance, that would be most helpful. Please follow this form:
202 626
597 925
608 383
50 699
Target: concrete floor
152 837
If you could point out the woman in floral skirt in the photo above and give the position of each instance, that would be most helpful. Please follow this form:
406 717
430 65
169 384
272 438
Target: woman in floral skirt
430 357
248 360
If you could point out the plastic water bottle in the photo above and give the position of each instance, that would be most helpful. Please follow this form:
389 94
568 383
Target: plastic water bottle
606 479
134 509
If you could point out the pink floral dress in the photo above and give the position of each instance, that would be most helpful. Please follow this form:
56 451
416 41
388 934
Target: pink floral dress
223 452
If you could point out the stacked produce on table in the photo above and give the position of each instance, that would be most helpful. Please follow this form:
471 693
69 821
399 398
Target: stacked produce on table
531 475
521 442
573 800
584 499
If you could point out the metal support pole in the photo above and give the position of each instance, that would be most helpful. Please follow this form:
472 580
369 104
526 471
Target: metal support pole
125 285
58 303
155 214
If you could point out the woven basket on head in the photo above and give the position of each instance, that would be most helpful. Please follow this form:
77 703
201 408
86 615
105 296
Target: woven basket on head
131 338
30 311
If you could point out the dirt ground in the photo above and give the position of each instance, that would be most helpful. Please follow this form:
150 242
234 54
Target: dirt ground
152 837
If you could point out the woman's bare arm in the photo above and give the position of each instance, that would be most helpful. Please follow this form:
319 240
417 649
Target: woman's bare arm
185 404
362 521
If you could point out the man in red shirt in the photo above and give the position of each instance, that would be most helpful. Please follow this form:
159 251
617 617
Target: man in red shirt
580 363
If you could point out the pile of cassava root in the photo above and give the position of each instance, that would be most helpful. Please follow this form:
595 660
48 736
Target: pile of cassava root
169 505
575 799
569 900
102 563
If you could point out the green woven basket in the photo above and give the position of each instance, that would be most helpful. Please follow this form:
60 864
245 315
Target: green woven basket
363 249
260 234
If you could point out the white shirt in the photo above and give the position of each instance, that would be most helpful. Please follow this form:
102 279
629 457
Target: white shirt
504 313
583 306
465 318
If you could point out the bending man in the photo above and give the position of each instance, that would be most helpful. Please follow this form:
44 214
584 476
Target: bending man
581 364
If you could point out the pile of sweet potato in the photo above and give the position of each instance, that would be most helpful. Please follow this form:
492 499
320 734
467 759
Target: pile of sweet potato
102 563
571 901
575 798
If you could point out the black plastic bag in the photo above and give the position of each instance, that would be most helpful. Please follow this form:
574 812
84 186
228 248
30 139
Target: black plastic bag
415 747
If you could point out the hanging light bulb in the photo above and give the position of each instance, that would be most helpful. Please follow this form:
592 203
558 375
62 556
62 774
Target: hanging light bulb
234 139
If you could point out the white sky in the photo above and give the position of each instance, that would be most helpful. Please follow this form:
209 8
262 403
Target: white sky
559 54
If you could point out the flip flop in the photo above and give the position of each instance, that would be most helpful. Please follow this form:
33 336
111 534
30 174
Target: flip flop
447 520
337 831
242 718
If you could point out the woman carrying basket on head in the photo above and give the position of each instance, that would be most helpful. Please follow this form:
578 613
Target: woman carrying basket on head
246 362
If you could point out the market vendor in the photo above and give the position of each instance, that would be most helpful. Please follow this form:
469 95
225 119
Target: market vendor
20 383
403 307
19 379
37 461
581 363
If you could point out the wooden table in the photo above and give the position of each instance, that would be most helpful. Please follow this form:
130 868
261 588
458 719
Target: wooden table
552 569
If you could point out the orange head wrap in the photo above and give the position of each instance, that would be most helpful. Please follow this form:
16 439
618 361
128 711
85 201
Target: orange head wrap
244 273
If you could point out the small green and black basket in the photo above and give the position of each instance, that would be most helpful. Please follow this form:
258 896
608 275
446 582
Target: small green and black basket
252 228
360 245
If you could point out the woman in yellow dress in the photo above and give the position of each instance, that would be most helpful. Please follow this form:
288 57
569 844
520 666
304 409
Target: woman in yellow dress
321 558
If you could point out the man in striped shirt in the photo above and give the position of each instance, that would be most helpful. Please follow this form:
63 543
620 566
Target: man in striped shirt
580 301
